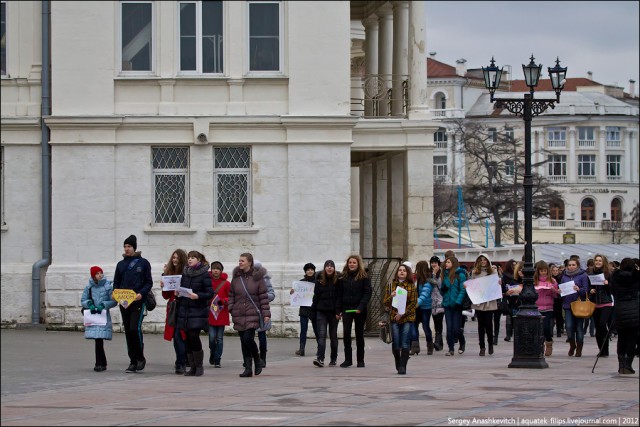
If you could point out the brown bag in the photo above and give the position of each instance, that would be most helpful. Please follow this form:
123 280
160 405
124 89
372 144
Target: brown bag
172 313
582 309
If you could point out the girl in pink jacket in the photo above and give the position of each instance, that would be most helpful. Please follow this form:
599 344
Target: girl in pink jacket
547 289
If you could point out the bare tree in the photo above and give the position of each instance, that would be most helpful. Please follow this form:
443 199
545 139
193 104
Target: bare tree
494 171
444 203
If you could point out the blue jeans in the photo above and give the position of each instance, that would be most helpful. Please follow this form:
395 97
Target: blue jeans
547 325
216 334
574 326
400 335
180 347
425 318
304 327
454 322
262 338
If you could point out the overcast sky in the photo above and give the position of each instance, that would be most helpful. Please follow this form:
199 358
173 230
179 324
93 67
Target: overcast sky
597 36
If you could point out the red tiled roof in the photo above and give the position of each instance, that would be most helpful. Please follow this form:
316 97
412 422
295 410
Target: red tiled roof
545 84
439 69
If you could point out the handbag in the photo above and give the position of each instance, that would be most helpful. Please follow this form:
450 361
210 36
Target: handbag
385 329
150 301
264 326
503 307
582 309
466 303
91 298
172 313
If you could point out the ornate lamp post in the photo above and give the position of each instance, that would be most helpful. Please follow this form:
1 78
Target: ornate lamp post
527 323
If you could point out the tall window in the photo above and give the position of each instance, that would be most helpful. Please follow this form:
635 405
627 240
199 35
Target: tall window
232 186
3 34
440 138
586 137
440 167
201 37
556 211
493 134
614 169
557 167
588 210
137 36
613 134
508 132
616 210
441 101
556 137
264 36
586 166
170 185
509 167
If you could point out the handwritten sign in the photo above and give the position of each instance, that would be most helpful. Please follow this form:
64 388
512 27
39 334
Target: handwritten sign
483 289
597 279
302 295
567 288
124 296
171 283
400 300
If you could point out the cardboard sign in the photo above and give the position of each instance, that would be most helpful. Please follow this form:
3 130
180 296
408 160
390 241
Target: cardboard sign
124 296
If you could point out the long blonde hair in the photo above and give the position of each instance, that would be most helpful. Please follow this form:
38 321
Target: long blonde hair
361 272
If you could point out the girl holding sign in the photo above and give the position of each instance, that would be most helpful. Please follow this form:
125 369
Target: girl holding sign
402 318
547 289
600 293
485 310
96 298
574 326
174 267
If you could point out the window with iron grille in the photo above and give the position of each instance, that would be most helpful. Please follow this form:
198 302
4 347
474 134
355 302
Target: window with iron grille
232 186
201 48
170 167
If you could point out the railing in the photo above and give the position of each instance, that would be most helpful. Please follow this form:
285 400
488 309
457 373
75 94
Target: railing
586 178
380 95
614 143
586 143
551 223
442 144
616 226
556 143
447 113
557 178
588 224
614 178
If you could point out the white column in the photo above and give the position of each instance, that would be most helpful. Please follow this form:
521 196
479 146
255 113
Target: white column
418 203
382 206
628 155
601 172
385 51
355 210
396 206
537 147
400 59
633 142
371 58
572 160
417 60
451 167
367 198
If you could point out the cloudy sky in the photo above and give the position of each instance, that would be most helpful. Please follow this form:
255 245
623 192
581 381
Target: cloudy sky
597 36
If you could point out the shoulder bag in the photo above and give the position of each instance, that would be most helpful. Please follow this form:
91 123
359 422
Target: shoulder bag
150 301
91 298
582 309
172 312
264 326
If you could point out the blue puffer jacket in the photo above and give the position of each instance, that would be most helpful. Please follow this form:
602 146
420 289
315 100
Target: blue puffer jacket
424 294
581 280
453 293
100 294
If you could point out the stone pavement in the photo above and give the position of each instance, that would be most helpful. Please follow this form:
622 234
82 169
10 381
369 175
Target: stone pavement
48 379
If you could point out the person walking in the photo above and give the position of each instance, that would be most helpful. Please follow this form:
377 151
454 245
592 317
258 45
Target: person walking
484 311
625 283
453 292
220 305
574 325
193 309
437 310
96 297
601 296
175 266
133 272
353 297
325 302
401 324
306 313
511 288
547 289
262 335
248 301
425 288
558 315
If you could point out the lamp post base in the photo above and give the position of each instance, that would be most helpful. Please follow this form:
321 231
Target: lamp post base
528 340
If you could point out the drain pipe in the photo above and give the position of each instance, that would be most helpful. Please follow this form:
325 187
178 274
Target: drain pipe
37 272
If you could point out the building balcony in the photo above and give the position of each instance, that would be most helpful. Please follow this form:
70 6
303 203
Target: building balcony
557 178
556 143
441 144
447 113
551 223
380 96
614 144
617 178
590 143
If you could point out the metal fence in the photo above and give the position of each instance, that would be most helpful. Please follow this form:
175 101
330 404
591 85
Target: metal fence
381 271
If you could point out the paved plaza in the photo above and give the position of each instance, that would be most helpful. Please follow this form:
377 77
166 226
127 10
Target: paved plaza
48 379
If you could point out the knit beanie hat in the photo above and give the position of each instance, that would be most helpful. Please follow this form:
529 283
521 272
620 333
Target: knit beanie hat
95 270
309 266
329 262
131 240
217 265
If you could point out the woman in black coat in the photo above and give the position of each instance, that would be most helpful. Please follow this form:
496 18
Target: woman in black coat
325 301
624 285
193 308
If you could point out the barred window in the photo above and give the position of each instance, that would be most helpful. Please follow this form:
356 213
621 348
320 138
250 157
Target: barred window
232 186
170 167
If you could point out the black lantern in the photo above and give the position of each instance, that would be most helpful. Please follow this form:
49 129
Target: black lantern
532 73
558 75
492 76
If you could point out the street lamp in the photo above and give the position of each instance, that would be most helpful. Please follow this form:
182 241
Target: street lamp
527 323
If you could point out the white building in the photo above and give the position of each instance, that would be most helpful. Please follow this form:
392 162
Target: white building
218 126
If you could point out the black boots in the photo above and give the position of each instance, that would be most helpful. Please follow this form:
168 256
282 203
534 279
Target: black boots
572 347
437 343
247 368
300 352
348 361
259 362
396 356
263 359
509 328
429 348
415 348
191 364
404 358
624 364
198 357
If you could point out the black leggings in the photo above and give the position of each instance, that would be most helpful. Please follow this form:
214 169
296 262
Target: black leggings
193 341
627 341
101 357
485 325
437 322
248 344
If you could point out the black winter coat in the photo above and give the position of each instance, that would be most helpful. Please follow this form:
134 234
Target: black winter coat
194 313
603 292
624 286
353 294
325 297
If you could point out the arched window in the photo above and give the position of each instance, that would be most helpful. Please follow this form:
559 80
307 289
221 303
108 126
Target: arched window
441 101
588 210
616 210
556 211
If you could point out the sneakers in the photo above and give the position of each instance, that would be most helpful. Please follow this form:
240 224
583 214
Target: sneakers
216 364
132 369
319 363
449 353
141 364
333 362
300 352
179 369
461 349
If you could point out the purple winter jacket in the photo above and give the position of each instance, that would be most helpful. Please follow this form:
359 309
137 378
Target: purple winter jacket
581 279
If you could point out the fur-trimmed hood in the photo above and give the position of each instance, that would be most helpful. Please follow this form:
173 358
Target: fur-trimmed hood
257 273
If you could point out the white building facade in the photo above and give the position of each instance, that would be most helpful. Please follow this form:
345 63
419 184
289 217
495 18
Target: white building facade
210 126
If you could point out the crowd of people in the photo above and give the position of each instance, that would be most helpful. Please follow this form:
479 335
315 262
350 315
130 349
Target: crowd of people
435 294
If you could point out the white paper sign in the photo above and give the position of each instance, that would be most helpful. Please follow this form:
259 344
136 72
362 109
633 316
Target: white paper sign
483 289
97 319
302 295
597 279
567 288
400 300
183 292
171 283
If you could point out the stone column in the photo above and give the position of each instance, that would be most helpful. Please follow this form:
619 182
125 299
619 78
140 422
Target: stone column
451 166
418 199
385 51
381 210
537 147
418 107
366 210
572 160
400 58
371 58
396 205
628 175
601 172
